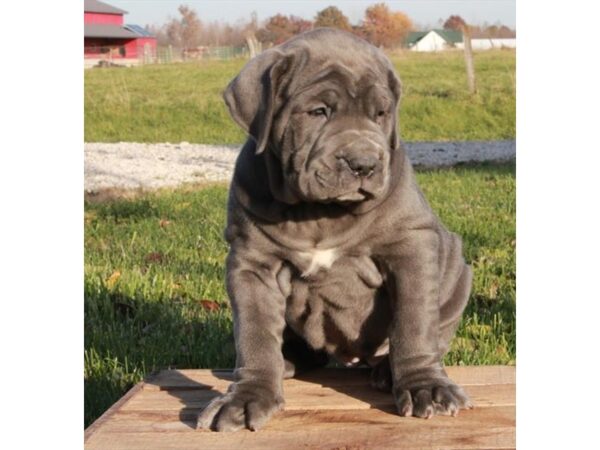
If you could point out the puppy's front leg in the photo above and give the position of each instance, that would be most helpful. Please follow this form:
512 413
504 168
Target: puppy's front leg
420 385
259 318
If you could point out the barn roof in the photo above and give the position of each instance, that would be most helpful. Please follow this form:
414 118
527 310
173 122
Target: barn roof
450 36
99 7
101 30
141 32
415 36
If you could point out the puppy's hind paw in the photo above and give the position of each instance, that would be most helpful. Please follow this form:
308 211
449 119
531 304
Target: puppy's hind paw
435 398
381 376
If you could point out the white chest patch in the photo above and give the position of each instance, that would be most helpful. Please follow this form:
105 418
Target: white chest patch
318 259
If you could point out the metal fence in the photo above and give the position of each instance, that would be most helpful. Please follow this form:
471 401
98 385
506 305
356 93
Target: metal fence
169 54
116 55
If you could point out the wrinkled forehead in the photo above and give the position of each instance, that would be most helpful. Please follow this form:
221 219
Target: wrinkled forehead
353 82
348 63
341 48
335 82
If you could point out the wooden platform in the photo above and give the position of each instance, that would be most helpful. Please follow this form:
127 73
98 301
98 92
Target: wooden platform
326 409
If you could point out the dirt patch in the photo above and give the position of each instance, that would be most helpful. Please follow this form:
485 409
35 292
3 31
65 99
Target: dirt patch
130 168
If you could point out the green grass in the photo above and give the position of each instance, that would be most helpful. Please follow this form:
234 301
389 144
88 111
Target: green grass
150 261
182 102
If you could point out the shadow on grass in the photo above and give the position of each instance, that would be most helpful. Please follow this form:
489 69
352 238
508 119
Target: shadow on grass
128 337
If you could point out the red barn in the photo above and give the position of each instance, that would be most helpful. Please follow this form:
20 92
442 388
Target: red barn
107 38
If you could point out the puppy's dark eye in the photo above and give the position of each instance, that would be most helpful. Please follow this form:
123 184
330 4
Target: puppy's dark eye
380 116
318 112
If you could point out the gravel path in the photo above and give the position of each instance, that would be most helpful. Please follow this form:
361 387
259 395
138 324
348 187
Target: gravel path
131 165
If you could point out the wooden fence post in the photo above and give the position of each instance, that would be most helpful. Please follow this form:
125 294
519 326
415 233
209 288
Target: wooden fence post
469 60
252 43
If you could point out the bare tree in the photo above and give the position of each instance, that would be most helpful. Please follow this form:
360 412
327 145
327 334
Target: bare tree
190 27
184 32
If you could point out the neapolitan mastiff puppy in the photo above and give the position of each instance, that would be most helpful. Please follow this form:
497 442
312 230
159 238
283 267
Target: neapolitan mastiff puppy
334 249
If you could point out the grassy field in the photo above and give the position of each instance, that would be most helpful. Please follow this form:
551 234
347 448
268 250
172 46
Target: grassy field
182 102
154 278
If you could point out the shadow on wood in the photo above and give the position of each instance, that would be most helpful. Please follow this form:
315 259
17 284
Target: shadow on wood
193 395
326 408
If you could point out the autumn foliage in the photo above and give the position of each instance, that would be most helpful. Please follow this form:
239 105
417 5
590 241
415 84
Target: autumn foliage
385 28
484 31
456 23
280 28
332 17
380 25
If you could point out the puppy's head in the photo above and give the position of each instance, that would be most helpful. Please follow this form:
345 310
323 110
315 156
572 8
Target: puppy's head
323 109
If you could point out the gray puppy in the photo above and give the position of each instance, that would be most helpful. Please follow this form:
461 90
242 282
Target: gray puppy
334 249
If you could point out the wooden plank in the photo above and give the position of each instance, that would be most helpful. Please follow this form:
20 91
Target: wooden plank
325 409
205 379
311 397
100 421
467 375
475 375
185 420
491 429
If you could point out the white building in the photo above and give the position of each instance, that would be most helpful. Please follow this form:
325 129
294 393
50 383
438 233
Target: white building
434 40
487 44
437 40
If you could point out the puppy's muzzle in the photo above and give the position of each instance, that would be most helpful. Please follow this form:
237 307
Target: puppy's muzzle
362 158
362 166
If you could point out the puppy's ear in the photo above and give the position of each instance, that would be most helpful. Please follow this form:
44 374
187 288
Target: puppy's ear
251 95
396 88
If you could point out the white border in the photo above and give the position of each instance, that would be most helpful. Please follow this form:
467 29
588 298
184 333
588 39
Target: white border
41 221
557 225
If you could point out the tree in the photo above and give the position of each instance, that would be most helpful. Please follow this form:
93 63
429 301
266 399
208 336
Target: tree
249 32
456 23
159 32
385 28
280 28
505 32
185 32
359 31
487 31
332 17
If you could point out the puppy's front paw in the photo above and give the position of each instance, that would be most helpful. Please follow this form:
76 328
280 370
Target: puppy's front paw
434 397
247 405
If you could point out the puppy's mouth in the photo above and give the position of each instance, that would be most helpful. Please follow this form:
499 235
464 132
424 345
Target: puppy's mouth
352 197
356 194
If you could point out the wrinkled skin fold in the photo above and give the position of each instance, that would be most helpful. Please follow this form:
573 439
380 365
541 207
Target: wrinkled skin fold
334 251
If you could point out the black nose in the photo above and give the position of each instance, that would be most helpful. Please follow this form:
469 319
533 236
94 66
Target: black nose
363 165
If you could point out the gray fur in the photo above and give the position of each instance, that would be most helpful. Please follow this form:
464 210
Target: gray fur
334 249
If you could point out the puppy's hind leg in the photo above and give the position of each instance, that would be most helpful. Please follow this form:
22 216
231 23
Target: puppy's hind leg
450 315
381 375
299 356
451 311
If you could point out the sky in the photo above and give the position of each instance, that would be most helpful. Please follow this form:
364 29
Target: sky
424 13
